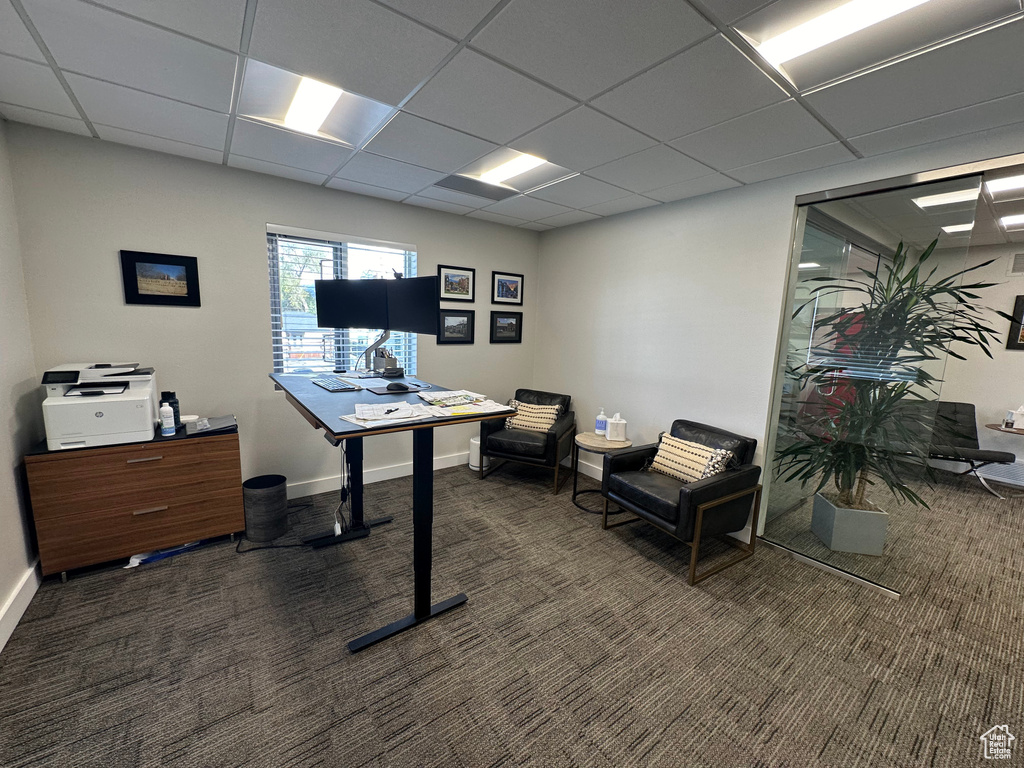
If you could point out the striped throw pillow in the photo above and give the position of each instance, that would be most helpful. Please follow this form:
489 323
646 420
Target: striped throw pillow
688 461
535 418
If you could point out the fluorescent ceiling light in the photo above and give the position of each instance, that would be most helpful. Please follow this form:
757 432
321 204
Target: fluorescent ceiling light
829 27
808 265
955 228
1004 185
311 105
947 198
514 167
1012 221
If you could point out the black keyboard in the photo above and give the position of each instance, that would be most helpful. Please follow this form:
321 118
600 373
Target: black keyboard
333 384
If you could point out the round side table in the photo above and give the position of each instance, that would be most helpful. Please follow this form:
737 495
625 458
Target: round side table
592 443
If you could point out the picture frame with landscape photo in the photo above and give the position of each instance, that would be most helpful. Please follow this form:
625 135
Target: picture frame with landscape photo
1015 338
457 326
506 327
506 288
160 279
457 283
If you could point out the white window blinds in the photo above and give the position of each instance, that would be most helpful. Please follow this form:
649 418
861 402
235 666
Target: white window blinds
294 263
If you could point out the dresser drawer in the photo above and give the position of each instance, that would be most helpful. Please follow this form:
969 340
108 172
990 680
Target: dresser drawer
95 537
126 478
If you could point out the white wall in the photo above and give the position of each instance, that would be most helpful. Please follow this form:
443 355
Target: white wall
80 201
19 408
674 311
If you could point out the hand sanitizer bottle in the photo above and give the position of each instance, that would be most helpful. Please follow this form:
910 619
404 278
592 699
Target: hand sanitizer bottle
601 424
166 420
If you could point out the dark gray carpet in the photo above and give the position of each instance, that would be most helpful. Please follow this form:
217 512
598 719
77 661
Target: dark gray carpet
578 647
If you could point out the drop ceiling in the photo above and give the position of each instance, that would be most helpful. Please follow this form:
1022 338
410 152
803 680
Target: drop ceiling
639 103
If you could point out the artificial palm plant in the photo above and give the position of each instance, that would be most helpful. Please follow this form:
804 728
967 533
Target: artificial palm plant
863 417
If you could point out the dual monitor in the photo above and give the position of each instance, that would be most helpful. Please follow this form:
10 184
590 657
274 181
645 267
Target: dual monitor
410 304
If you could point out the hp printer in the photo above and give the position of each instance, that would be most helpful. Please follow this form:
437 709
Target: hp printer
91 404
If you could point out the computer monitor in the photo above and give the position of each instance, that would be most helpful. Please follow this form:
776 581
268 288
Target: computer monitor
351 303
414 304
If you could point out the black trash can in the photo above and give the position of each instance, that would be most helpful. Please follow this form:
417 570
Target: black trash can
266 507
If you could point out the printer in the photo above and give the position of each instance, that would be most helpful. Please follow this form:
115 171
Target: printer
91 404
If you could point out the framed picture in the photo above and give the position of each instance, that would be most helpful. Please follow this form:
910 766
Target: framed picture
506 327
158 278
506 288
457 326
457 283
1015 340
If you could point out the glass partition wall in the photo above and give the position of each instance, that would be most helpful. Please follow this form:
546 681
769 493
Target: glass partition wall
849 392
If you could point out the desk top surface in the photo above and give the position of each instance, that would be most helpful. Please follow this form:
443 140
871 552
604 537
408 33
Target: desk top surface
324 409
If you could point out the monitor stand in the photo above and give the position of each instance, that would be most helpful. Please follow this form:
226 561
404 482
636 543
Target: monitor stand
359 528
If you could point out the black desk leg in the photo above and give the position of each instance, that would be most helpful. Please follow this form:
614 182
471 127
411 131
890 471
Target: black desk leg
360 528
422 526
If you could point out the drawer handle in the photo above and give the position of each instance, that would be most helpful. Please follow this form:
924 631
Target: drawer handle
151 509
148 458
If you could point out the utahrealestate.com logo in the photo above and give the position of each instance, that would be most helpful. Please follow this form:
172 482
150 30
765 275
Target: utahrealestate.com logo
998 743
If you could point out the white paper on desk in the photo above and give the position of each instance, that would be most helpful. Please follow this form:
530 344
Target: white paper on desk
376 411
473 409
451 397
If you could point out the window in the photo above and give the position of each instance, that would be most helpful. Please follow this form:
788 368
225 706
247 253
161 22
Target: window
295 261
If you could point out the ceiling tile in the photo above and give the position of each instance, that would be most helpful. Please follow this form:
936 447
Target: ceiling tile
388 173
496 217
32 85
582 139
451 196
819 157
474 94
215 21
572 217
108 46
705 185
275 145
14 37
586 46
959 122
437 205
526 208
353 44
366 189
704 86
579 192
44 119
730 11
156 144
780 129
456 17
536 226
623 204
144 113
421 142
275 169
651 169
971 71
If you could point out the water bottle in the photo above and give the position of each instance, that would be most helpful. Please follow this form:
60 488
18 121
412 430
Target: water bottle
172 400
601 424
166 420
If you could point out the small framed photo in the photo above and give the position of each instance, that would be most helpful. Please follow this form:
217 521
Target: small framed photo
457 283
1015 340
159 278
457 326
506 288
506 327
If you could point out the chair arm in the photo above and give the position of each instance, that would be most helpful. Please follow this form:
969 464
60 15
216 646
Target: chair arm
692 495
628 459
488 428
558 445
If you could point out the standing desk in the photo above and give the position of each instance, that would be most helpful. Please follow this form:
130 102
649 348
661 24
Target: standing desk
323 410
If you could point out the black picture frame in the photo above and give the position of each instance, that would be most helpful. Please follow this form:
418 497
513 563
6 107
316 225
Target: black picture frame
456 332
160 279
456 283
506 288
1015 339
506 327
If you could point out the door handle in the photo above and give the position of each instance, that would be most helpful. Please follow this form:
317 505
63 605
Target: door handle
148 511
147 458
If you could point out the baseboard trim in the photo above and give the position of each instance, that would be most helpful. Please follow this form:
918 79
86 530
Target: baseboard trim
375 475
871 585
18 601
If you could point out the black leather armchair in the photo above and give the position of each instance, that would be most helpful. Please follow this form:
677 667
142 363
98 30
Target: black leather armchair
539 449
690 512
955 438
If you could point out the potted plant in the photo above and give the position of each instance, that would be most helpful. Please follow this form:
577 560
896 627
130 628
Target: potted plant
861 414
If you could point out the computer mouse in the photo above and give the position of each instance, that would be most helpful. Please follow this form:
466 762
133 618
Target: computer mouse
394 386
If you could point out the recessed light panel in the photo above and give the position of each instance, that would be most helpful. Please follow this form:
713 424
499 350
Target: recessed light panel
996 186
957 228
808 265
1013 222
311 104
947 198
540 175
